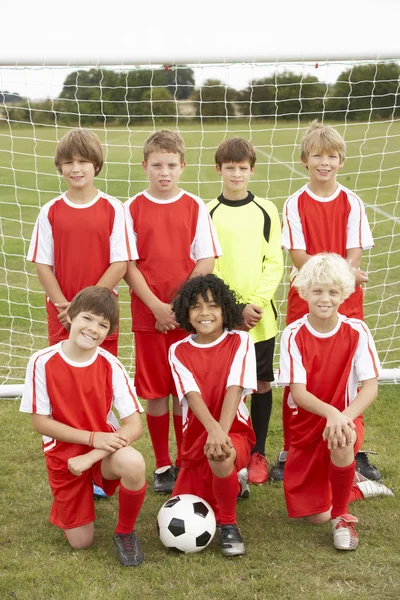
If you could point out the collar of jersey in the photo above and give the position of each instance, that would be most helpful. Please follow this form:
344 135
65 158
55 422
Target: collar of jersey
158 201
76 205
319 198
192 340
328 334
249 198
80 365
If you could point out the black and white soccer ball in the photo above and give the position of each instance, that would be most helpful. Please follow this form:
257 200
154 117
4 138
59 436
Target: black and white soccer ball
186 523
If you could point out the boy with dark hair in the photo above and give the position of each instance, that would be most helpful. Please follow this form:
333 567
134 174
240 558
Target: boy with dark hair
175 240
252 264
70 389
80 238
324 216
214 369
324 356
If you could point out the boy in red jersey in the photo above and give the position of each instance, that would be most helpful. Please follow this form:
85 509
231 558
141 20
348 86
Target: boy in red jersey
324 356
70 390
175 240
80 238
249 231
324 216
214 370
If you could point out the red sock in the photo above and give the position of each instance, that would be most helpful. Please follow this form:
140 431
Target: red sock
341 479
129 505
286 416
178 437
225 490
355 494
159 432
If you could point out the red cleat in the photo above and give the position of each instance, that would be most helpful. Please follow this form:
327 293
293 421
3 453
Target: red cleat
258 469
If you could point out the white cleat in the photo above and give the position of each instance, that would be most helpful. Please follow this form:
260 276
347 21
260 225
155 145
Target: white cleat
345 536
243 477
370 489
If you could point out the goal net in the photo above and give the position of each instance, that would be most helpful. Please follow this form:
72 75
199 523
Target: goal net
270 104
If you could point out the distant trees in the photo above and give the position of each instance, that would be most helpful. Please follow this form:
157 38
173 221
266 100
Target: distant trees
365 92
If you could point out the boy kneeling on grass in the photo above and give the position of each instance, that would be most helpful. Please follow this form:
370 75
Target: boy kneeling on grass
324 356
214 369
70 390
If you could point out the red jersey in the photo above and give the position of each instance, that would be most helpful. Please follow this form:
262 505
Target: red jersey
171 236
79 241
210 369
80 395
331 365
332 224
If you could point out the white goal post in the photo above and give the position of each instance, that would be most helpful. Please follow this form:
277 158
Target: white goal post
270 103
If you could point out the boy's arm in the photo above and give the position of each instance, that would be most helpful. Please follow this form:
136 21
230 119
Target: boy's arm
113 275
364 398
229 407
339 425
161 310
299 258
218 445
353 257
272 270
53 290
131 430
204 266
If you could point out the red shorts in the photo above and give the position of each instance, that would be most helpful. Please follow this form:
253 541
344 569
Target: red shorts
198 480
306 481
73 504
153 376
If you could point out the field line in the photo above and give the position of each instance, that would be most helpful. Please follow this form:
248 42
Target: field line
294 170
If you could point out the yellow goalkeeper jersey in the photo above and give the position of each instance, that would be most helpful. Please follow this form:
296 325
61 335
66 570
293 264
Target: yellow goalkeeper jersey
249 232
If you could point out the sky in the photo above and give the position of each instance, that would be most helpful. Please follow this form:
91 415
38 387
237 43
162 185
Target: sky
43 33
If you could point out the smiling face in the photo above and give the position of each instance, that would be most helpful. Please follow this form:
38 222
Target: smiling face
323 304
235 178
87 331
205 316
323 167
78 172
163 170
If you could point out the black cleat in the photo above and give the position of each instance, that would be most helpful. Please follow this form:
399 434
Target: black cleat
128 549
364 467
164 482
276 473
230 540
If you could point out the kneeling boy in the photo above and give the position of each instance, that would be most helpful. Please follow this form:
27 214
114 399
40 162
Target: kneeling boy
214 370
324 356
70 390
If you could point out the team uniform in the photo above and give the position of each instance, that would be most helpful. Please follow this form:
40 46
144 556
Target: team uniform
249 231
171 236
333 224
210 369
81 395
80 241
330 365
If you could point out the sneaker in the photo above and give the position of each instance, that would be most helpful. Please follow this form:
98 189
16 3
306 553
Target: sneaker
258 469
370 489
230 540
164 482
244 486
345 536
128 549
276 473
98 492
364 467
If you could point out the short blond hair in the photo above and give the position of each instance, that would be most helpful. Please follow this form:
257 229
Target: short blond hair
323 138
164 140
325 269
81 143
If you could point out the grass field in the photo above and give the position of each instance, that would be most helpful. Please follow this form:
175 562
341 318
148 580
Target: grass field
28 180
286 560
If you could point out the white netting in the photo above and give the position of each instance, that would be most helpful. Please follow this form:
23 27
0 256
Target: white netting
269 104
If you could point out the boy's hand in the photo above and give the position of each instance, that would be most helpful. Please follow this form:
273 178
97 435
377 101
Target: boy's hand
361 276
218 445
109 441
62 308
165 317
252 314
338 430
78 464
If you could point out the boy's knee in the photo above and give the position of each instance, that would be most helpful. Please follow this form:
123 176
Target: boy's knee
80 538
319 518
129 462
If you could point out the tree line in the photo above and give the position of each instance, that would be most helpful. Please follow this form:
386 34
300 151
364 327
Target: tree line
361 93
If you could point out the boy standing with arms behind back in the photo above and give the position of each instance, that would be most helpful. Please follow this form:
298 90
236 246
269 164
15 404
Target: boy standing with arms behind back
175 240
324 216
252 264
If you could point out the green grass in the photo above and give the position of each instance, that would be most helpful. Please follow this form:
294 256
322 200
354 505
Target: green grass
28 180
285 559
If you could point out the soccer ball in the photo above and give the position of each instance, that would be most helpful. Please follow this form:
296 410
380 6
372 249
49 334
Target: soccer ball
186 523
